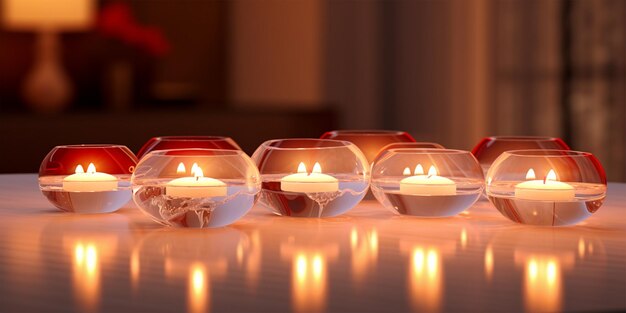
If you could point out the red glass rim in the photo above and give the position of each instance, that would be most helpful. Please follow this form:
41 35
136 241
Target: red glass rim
305 143
364 132
548 153
427 151
91 146
190 138
524 138
200 152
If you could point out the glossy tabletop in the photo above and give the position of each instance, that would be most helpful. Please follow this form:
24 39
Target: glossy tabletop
367 260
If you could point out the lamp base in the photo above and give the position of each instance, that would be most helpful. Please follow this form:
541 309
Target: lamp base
47 88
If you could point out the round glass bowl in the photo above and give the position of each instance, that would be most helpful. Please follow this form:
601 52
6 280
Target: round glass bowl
311 177
369 141
490 148
195 187
186 142
87 178
427 182
546 187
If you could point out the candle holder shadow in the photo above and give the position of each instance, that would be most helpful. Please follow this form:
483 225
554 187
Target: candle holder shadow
199 188
426 182
311 177
87 178
187 142
546 187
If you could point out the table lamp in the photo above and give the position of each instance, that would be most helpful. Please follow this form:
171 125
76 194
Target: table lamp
47 87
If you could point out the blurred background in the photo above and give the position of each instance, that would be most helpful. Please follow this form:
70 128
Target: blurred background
100 71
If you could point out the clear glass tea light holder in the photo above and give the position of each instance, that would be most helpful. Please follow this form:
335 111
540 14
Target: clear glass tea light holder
426 182
311 177
490 148
87 178
546 187
187 142
197 188
370 142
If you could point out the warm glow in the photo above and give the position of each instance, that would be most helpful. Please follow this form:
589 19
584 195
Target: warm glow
463 238
419 170
542 287
301 168
86 275
530 175
406 172
194 169
551 175
426 279
79 169
198 285
198 173
581 248
38 14
181 168
317 168
91 168
309 282
364 246
432 171
488 263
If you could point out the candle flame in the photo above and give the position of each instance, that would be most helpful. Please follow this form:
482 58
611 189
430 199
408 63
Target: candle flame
301 168
79 169
198 173
419 170
91 168
432 171
530 174
551 175
181 168
194 168
406 172
317 168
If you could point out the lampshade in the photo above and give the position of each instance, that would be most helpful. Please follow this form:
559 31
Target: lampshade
52 14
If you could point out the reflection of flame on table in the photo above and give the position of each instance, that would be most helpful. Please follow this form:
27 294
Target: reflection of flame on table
543 279
426 273
87 257
309 275
249 256
198 288
364 246
86 274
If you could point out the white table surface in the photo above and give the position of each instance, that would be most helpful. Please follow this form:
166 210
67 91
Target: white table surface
366 260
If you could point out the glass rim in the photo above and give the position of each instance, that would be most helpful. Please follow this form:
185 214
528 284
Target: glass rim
426 151
191 138
91 145
335 144
414 143
223 152
547 153
367 132
525 138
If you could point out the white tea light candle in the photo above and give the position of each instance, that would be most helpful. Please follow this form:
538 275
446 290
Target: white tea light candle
426 185
91 181
197 186
549 189
308 183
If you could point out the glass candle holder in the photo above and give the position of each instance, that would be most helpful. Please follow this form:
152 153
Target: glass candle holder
369 141
427 182
195 187
490 148
87 178
187 142
546 187
311 177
